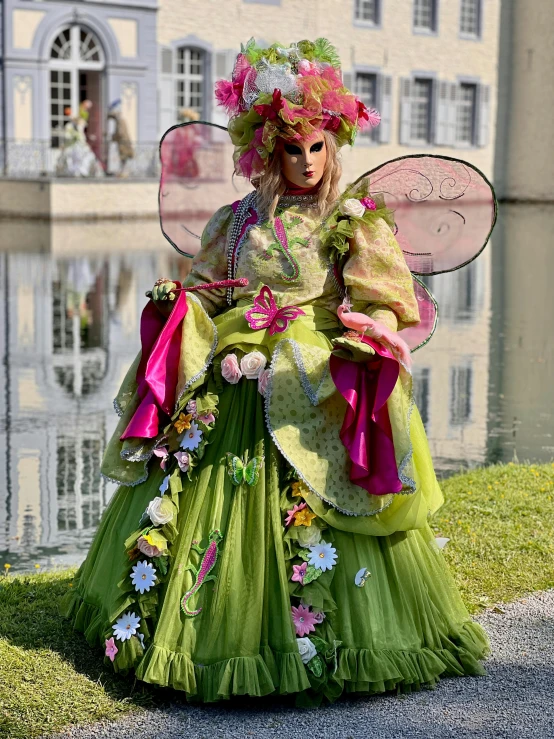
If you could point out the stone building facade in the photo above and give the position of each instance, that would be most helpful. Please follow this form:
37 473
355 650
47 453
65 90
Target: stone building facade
57 54
429 66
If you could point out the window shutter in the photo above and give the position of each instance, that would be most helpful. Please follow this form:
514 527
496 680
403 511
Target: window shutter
348 80
224 63
433 115
453 113
168 115
483 115
405 111
442 137
385 108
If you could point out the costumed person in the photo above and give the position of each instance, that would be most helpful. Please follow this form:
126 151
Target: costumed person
77 159
182 160
271 534
121 137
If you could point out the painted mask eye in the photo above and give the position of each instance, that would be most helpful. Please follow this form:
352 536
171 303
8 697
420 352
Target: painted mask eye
292 149
316 147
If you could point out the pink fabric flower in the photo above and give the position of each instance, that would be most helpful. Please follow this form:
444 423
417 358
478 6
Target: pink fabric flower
230 369
298 572
163 453
207 418
263 382
183 460
191 408
319 616
148 549
368 203
111 649
293 512
303 619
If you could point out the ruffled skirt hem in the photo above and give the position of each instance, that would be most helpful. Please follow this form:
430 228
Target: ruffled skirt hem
271 672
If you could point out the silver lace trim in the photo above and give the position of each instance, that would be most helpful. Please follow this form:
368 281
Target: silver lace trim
209 360
117 408
267 402
404 479
311 394
234 247
126 484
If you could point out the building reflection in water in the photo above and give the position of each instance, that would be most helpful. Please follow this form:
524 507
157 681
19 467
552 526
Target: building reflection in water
69 329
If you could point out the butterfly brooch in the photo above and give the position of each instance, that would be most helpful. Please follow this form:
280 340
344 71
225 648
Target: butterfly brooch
243 471
266 314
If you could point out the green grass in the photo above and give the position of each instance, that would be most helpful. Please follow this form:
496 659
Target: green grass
49 676
499 519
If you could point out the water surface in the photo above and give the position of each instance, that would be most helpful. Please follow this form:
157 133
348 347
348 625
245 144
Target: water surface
69 326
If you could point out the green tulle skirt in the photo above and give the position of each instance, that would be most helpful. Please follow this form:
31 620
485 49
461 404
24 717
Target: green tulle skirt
404 629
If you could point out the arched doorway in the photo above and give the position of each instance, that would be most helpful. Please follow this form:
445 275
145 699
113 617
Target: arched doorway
77 63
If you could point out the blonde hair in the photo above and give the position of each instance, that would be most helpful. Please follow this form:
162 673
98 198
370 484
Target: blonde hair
271 184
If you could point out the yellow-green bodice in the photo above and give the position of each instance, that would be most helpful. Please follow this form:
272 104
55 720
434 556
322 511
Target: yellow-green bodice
375 273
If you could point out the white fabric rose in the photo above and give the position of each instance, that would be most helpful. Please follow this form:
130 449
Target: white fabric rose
306 649
252 365
309 535
352 208
160 511
263 381
230 369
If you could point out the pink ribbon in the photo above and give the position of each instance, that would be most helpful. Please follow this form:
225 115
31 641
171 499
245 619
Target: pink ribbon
158 369
366 431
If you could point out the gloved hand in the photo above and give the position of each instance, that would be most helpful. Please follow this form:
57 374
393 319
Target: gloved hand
378 331
162 290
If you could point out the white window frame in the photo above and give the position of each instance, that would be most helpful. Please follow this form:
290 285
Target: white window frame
364 22
74 64
431 30
428 140
460 103
466 34
460 419
368 138
187 78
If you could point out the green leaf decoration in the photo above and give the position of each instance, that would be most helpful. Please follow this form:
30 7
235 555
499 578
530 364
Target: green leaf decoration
316 665
160 564
304 554
312 573
320 644
324 51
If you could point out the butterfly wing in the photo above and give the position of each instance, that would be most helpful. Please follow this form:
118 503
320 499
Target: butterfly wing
444 209
196 169
264 310
253 469
417 336
235 468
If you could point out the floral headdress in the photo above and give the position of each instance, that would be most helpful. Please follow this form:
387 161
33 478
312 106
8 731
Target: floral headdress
288 92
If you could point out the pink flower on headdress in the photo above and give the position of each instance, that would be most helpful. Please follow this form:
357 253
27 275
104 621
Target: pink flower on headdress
270 112
229 94
306 67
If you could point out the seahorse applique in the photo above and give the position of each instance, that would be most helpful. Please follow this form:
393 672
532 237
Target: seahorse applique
283 245
202 574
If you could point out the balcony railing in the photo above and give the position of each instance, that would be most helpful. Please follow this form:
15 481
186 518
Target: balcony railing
38 158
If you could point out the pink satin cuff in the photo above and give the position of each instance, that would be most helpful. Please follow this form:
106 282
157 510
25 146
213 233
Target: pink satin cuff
366 431
158 369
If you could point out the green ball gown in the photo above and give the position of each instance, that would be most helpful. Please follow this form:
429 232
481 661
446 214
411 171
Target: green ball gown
237 557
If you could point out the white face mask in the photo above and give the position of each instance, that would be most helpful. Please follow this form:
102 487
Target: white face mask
303 162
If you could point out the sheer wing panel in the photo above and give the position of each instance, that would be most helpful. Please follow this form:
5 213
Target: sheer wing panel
196 179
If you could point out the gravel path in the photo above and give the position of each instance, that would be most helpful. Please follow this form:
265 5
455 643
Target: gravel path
514 701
